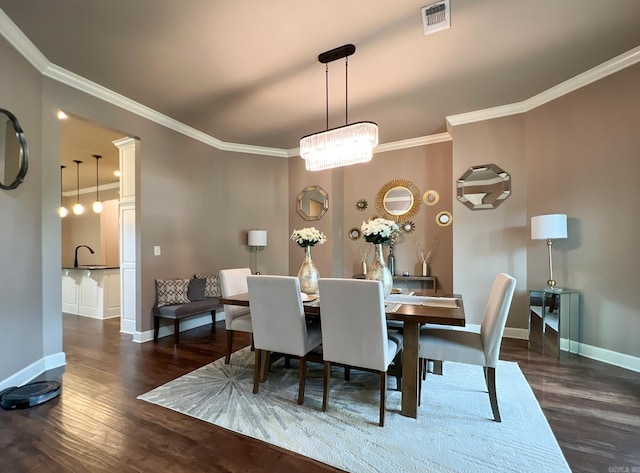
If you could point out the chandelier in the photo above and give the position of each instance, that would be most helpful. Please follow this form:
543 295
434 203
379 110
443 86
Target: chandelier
345 145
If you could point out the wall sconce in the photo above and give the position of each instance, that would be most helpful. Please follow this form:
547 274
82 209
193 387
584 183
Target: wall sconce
257 239
78 209
548 227
62 210
97 205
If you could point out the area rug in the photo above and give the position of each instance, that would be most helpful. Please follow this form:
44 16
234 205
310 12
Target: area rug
454 431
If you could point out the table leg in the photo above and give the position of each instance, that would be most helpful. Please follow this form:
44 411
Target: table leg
410 370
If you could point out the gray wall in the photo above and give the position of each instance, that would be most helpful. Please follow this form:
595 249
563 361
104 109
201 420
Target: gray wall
21 287
576 155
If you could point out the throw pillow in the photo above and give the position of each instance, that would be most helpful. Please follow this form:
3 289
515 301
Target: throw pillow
212 286
172 291
196 289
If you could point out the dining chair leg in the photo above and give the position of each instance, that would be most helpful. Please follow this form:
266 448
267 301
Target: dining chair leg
265 363
422 375
325 388
347 373
227 358
256 372
491 383
383 396
437 367
302 374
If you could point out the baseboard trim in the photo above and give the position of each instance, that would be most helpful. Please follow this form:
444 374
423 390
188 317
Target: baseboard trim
519 333
34 370
167 330
610 357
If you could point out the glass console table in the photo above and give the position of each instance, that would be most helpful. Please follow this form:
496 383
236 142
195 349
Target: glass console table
554 320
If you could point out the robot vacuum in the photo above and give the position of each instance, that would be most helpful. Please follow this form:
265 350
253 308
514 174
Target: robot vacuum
29 395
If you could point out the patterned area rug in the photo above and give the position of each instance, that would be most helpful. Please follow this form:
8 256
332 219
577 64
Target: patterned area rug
454 431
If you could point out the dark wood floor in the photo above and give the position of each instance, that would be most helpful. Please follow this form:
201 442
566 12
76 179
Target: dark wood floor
97 425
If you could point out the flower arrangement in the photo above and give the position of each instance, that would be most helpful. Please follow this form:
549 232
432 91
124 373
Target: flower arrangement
309 236
379 230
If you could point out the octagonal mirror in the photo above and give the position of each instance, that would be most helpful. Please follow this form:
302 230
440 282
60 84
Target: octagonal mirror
14 154
484 187
312 203
398 200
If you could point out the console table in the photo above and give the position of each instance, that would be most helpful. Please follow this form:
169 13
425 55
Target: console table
554 320
430 281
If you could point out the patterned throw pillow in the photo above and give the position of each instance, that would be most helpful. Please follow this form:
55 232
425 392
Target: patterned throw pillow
172 291
212 287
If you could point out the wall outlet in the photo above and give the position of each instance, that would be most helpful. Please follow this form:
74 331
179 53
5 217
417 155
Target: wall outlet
156 251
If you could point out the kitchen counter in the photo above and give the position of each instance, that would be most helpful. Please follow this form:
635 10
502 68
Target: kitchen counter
91 291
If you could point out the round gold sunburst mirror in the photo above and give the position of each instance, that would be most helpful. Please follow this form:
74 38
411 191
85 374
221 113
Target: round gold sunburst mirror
398 200
444 218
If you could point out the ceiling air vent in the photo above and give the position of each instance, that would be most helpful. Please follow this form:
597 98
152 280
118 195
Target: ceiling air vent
436 17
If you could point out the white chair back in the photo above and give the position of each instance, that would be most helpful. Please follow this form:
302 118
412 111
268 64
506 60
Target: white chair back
354 326
277 314
233 281
495 316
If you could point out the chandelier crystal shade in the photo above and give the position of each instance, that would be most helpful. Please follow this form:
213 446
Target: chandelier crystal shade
345 145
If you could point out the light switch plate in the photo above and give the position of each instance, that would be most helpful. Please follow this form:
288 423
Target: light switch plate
156 251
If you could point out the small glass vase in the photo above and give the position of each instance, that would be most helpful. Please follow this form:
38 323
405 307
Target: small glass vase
308 274
378 271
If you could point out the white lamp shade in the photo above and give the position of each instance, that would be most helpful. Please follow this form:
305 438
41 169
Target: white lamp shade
257 238
551 226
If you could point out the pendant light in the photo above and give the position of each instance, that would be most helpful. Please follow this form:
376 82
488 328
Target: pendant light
62 210
78 209
97 205
342 146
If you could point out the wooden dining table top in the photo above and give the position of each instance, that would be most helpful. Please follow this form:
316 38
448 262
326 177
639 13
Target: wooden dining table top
422 314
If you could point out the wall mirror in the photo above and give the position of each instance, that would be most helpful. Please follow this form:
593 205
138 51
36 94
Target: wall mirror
313 202
444 218
398 200
484 187
14 155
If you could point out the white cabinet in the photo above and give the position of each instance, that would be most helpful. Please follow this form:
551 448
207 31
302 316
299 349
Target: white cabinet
91 292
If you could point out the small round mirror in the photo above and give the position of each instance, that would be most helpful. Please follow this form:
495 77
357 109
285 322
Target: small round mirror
354 233
14 155
444 218
398 200
312 203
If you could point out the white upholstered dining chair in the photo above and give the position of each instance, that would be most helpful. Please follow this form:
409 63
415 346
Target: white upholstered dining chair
236 318
464 346
279 325
354 331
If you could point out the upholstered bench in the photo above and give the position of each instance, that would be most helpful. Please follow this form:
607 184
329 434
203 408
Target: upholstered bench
178 299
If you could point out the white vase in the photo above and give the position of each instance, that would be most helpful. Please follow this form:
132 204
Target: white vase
378 271
308 274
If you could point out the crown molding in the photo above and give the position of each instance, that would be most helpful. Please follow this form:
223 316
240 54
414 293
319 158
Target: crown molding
601 71
24 46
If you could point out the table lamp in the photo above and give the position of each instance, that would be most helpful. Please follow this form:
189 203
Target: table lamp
548 227
257 239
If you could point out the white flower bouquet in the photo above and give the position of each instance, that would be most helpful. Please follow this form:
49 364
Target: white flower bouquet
309 236
379 230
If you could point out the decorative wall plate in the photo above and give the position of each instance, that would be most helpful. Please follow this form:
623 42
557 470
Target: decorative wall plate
444 218
407 227
354 233
362 205
431 197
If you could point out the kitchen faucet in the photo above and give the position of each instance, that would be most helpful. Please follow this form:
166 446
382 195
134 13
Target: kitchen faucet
75 261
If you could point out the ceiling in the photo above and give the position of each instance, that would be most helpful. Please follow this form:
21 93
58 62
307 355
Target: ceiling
246 71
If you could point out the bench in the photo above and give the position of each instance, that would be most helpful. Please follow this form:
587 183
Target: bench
179 299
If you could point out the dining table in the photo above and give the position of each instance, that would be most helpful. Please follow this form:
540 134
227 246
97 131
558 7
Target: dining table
413 311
